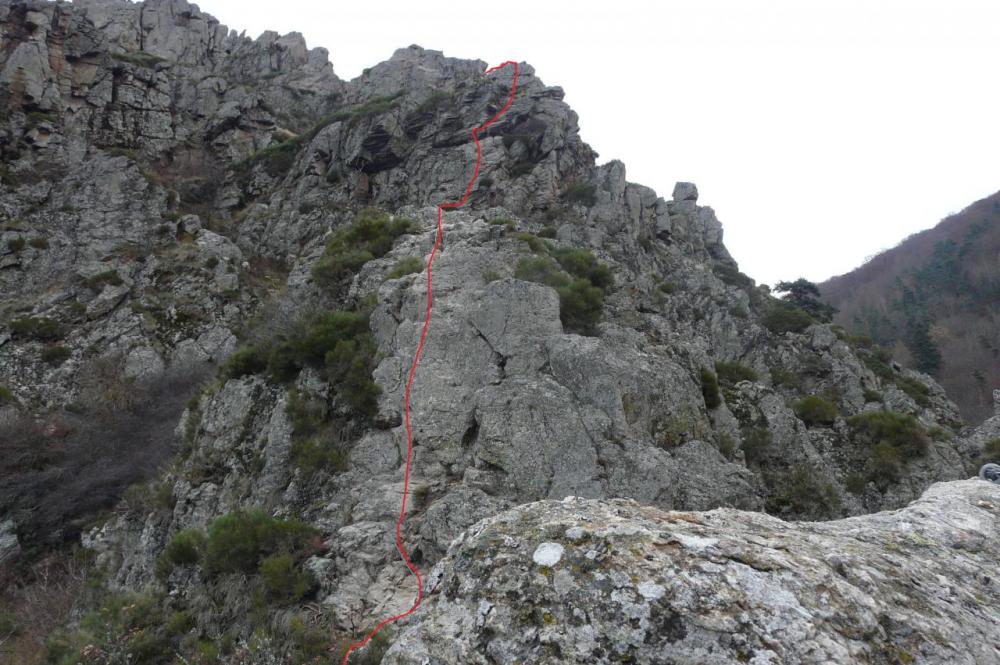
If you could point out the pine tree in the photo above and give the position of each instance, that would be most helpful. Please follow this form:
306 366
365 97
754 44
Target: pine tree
805 295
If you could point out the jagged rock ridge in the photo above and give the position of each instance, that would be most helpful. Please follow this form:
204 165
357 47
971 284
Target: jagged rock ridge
189 182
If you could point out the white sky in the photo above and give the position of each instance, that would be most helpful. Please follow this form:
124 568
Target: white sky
821 131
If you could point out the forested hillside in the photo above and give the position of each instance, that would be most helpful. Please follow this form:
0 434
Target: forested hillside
933 300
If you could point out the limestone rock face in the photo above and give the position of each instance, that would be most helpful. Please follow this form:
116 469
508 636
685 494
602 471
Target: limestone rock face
169 187
587 581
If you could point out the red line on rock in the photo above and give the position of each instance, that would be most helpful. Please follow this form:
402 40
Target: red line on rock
416 359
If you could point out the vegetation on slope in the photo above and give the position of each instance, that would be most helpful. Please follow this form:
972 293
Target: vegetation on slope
577 276
934 301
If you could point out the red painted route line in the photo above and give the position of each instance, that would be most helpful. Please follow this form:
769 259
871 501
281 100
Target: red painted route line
416 359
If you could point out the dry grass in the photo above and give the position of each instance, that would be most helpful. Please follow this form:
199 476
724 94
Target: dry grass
36 600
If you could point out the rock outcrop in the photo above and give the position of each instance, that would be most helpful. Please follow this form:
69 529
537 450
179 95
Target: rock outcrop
173 192
587 581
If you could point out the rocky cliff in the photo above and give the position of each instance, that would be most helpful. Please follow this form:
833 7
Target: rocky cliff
181 201
594 581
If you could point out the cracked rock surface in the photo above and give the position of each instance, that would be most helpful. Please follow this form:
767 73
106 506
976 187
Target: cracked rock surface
168 187
637 584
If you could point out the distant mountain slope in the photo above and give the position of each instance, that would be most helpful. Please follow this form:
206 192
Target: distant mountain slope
933 299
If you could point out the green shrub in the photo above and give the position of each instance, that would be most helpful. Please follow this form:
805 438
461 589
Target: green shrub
732 276
139 59
125 628
756 444
991 453
306 415
877 361
855 483
244 361
284 582
436 99
873 396
40 328
860 341
407 266
582 192
276 159
581 300
421 495
815 410
317 454
56 355
184 549
374 652
370 237
237 542
39 243
542 270
731 373
531 240
376 106
35 118
739 312
342 341
179 623
490 276
310 644
581 306
801 492
339 342
938 433
150 497
522 166
726 446
781 377
583 264
15 245
901 431
100 280
667 287
710 389
548 232
6 396
919 392
884 464
785 318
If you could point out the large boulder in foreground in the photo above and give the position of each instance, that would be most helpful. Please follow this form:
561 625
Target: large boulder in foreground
596 581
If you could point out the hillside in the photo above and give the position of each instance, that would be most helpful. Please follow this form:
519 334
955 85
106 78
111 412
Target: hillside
934 300
211 292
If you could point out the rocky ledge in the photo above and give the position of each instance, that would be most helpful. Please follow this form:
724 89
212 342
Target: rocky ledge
611 581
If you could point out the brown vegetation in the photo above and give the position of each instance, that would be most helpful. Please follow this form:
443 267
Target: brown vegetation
59 470
35 600
933 300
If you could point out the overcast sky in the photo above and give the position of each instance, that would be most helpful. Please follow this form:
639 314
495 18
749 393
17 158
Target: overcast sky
821 131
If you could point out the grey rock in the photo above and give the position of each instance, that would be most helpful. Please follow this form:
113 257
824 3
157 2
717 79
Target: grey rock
685 191
10 548
605 581
147 139
143 361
